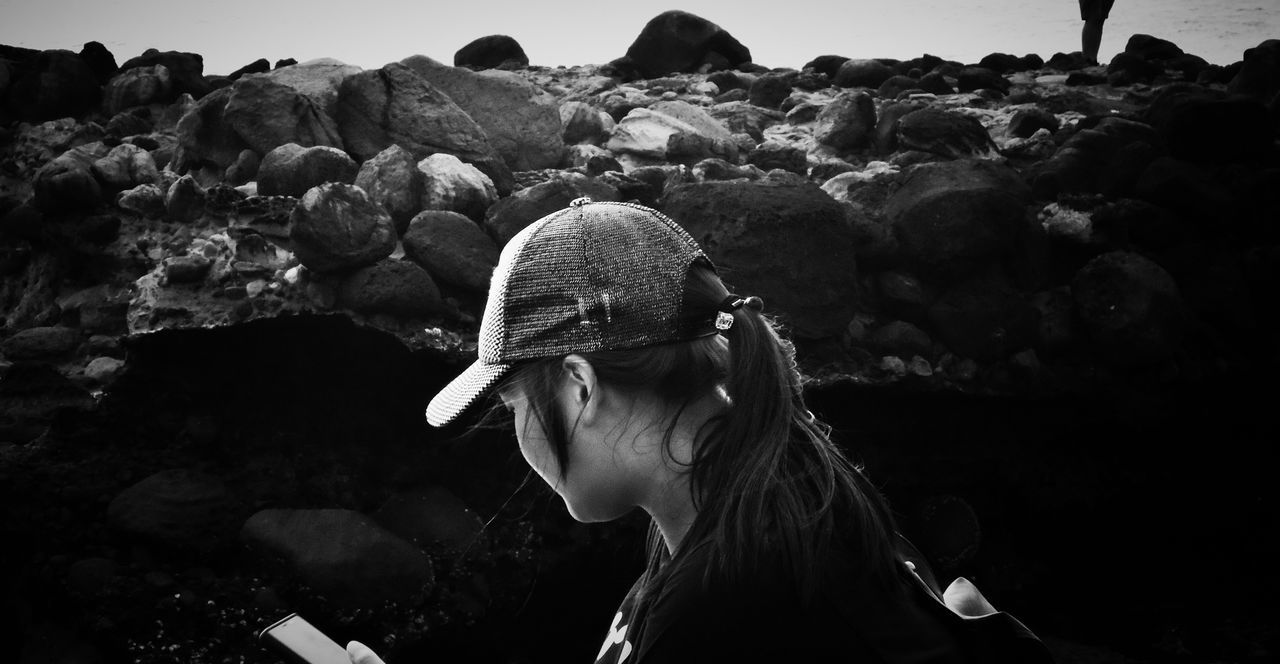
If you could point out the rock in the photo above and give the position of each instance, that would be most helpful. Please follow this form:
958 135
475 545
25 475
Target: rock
1201 125
885 136
186 269
672 131
1147 47
184 202
935 83
390 286
740 117
581 123
449 184
773 154
129 123
521 121
902 294
984 319
952 219
431 518
1128 69
1027 121
139 86
980 78
1001 63
784 242
41 343
827 65
945 133
337 226
185 69
178 509
847 122
1182 186
100 60
103 370
592 160
392 179
267 114
898 338
259 66
396 106
341 554
511 214
894 86
56 84
290 170
452 248
862 74
1088 156
318 80
1259 75
677 41
99 309
769 90
491 52
1130 307
66 184
718 169
204 135
244 169
125 167
145 199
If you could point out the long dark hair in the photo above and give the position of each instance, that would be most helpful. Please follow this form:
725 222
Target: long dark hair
770 487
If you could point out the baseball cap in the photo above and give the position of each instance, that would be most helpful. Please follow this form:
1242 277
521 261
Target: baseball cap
593 276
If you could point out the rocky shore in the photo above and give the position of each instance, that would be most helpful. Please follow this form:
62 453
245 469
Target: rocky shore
227 298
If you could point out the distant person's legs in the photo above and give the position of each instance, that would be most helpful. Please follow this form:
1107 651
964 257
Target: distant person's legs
1094 13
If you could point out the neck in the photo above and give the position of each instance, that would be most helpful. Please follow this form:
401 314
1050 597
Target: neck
670 501
673 511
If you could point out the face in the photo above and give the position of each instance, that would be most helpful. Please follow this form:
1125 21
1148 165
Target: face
603 481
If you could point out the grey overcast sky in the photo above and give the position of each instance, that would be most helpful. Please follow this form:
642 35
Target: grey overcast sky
780 33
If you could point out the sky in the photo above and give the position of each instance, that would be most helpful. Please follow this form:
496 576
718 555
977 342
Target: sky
780 33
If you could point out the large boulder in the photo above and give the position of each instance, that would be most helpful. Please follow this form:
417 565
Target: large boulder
392 179
952 219
454 249
337 226
1130 307
126 167
677 41
511 214
291 169
1088 158
785 242
179 509
396 106
672 131
55 84
67 183
847 122
945 133
491 52
139 86
205 136
318 80
862 74
581 123
1259 74
186 70
1200 124
390 286
341 554
521 121
450 184
268 114
984 319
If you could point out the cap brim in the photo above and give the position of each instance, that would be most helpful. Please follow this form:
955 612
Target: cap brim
464 391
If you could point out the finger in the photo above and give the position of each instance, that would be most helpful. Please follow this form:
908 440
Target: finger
361 654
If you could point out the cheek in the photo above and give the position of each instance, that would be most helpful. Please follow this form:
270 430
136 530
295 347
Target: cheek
536 449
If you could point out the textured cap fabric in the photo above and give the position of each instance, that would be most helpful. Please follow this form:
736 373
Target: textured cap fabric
593 276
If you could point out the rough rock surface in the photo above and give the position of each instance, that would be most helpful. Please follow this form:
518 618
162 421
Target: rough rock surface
337 226
176 508
292 169
677 41
452 248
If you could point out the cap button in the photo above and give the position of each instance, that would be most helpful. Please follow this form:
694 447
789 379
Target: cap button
579 202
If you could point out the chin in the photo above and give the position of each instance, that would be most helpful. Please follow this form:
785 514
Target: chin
594 515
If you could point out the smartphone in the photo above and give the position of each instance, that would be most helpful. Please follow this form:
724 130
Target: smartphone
299 642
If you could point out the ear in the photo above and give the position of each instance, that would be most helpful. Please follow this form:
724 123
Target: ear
580 388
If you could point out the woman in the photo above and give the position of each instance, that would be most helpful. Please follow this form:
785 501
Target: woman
637 380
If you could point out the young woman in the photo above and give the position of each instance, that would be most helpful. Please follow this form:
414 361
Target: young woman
636 380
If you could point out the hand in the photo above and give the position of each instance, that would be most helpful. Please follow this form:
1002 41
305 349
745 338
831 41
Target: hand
361 654
963 598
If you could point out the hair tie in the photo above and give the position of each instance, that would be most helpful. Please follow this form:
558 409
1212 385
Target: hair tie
732 303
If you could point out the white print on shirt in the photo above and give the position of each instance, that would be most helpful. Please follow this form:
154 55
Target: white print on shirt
616 635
